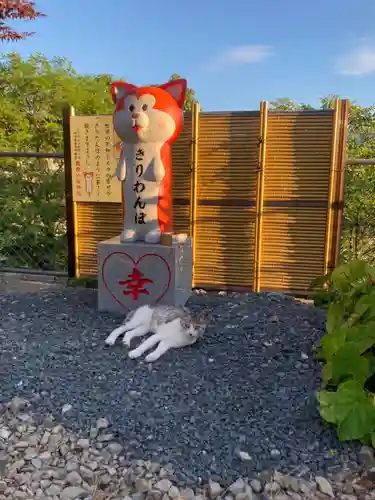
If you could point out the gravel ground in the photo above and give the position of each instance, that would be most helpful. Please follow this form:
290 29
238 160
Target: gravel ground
247 387
41 459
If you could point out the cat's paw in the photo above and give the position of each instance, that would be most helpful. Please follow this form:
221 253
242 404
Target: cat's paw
128 235
133 354
110 341
151 358
153 236
126 340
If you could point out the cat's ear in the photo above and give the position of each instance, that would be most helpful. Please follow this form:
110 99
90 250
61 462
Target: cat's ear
204 316
177 89
121 89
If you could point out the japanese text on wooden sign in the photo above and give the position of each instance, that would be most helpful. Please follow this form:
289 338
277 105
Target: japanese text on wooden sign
94 157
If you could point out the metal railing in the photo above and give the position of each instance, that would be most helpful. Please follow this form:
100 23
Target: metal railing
359 162
13 154
32 213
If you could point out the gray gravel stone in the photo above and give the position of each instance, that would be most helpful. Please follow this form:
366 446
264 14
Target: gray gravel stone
238 486
173 492
163 485
53 490
72 493
73 478
255 342
366 456
186 494
17 404
214 489
324 486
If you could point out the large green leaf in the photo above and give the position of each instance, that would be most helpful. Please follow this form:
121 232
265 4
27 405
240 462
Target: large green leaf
327 373
335 316
344 276
362 336
359 421
348 362
332 342
350 408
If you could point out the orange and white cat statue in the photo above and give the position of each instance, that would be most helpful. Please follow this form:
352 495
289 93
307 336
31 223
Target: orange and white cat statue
147 120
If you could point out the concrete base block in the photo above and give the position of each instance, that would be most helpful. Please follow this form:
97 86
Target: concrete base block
135 274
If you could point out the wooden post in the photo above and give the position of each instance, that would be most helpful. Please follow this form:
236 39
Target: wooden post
194 180
340 184
260 195
68 111
331 209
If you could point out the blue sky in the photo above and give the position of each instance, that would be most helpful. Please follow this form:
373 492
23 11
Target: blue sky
233 53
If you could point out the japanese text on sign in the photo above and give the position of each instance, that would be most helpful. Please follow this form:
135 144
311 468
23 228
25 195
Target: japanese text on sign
138 188
93 156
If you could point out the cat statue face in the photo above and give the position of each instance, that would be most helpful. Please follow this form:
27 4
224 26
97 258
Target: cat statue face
148 114
172 327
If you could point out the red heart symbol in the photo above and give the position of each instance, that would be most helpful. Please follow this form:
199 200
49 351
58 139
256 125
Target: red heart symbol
135 276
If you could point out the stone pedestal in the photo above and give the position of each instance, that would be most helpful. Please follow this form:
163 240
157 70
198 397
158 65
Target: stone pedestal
135 274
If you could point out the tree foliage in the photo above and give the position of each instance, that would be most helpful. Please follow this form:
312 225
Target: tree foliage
32 95
11 10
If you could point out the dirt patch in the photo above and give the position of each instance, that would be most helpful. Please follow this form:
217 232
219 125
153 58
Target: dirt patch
26 283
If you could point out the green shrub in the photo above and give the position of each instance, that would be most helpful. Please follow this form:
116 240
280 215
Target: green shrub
347 350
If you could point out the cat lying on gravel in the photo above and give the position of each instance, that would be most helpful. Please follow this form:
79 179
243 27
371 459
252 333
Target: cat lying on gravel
171 327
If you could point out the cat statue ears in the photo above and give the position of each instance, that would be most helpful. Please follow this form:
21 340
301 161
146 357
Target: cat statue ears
175 88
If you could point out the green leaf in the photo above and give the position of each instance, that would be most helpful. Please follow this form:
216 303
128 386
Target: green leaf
363 305
332 342
323 298
344 276
363 336
327 373
366 440
350 408
359 421
367 300
349 362
328 406
335 317
373 439
320 281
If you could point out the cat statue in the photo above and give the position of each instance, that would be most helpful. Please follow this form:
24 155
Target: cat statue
171 327
147 120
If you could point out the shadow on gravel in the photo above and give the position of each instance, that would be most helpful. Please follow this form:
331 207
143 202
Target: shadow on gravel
249 384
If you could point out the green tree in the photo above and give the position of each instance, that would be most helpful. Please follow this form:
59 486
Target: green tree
33 92
359 221
286 104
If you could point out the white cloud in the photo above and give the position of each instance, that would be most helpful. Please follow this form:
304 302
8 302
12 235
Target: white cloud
235 56
359 61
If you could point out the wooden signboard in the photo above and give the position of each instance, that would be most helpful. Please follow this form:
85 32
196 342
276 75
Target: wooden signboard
94 159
